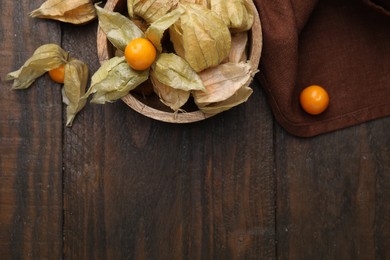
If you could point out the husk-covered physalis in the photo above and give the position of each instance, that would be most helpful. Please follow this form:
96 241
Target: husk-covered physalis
46 58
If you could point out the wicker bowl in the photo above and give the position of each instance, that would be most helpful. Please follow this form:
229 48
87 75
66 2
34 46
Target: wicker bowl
149 105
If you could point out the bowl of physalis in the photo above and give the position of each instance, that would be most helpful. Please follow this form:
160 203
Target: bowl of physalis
177 61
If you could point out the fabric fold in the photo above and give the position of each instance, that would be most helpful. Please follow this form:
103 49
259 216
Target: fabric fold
380 6
342 45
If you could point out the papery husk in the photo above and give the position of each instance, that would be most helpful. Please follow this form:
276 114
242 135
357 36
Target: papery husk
198 2
238 98
150 10
119 29
238 51
222 82
174 71
45 58
114 80
69 11
200 45
171 97
237 14
75 83
155 31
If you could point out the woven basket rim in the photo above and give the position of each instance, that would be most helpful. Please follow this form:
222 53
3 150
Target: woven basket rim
255 49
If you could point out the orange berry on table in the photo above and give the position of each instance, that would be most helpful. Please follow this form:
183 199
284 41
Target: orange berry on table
58 74
140 54
314 99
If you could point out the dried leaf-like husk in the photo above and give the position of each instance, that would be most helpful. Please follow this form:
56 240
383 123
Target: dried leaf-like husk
200 37
76 78
238 98
175 72
198 2
114 80
222 82
155 31
130 8
45 58
171 97
69 11
237 14
150 10
238 50
119 29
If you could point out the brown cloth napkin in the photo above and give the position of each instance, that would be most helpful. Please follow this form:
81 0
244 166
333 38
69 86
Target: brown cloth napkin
341 45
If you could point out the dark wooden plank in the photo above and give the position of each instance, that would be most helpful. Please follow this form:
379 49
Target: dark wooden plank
30 143
138 188
333 194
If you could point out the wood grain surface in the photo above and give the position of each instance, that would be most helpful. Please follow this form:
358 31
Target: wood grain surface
118 185
333 194
30 143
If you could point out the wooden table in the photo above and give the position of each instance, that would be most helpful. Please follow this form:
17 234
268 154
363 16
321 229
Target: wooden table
118 185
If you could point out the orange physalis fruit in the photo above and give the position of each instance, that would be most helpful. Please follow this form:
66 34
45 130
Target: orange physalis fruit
314 99
140 54
58 74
